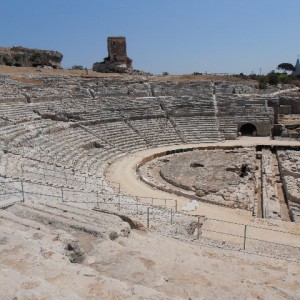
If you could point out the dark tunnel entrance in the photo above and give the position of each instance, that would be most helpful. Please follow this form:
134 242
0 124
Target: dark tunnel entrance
248 129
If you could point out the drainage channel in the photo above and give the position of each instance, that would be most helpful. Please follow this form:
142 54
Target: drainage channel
271 200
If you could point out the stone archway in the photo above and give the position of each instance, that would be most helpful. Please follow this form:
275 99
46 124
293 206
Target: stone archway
248 129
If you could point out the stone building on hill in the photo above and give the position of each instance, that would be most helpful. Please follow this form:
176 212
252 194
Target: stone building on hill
297 68
117 49
117 59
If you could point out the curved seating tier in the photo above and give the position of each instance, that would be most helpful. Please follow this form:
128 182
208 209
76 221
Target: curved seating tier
61 130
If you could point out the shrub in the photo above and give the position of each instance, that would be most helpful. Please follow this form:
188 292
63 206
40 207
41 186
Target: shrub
284 78
273 78
17 57
77 67
263 83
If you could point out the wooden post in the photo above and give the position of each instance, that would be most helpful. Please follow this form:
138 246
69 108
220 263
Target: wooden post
148 219
245 236
176 205
119 202
198 228
23 195
22 170
171 216
62 194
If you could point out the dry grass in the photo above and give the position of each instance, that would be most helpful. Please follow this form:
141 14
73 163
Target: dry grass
191 77
32 71
23 72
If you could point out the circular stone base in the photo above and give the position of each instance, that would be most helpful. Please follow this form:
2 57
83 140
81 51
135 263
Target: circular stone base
224 177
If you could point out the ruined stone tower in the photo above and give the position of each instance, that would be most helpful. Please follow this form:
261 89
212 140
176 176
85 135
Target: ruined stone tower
117 59
117 49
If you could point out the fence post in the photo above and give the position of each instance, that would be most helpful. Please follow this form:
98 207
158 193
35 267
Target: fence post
62 194
198 228
148 219
176 205
22 170
119 200
171 216
97 199
23 194
85 182
245 236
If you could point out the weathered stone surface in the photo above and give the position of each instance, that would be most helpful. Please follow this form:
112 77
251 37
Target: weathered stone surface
25 57
109 67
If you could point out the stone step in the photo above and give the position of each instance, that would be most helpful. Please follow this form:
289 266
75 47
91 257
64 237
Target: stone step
66 217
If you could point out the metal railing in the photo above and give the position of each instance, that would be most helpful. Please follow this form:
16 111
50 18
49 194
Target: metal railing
239 236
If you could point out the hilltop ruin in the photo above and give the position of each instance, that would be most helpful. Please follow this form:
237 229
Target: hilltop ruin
117 59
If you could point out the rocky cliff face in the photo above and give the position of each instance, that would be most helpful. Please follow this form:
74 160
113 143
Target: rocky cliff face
110 67
25 57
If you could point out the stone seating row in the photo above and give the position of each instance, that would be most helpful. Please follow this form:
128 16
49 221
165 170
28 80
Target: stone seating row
189 100
198 129
18 167
236 88
120 135
16 112
121 90
181 89
22 131
72 148
157 132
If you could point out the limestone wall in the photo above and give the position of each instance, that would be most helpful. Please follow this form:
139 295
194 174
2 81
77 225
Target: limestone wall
293 100
289 164
25 57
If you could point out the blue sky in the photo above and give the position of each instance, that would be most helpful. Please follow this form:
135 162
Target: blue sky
177 36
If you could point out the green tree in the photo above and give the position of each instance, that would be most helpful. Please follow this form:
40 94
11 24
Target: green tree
286 67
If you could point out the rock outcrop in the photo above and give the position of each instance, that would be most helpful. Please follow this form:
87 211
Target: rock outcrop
25 57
